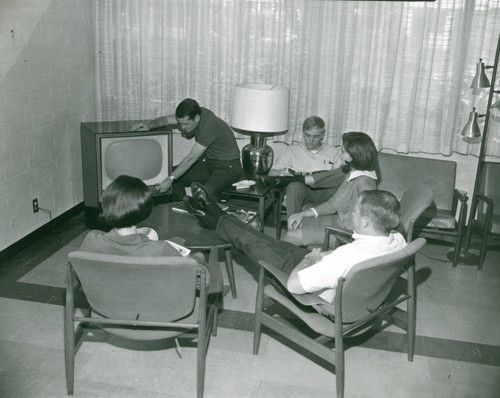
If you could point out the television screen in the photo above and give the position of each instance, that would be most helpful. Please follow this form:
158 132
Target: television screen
144 156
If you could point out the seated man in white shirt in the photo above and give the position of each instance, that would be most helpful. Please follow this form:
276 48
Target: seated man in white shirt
375 216
301 159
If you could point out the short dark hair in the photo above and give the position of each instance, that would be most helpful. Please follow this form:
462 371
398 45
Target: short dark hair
313 121
382 207
126 202
188 107
361 149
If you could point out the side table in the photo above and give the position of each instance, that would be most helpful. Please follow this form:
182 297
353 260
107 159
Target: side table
257 197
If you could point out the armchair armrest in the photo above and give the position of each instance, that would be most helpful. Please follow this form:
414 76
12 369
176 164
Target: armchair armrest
343 236
307 299
488 201
489 206
72 280
463 198
278 274
459 196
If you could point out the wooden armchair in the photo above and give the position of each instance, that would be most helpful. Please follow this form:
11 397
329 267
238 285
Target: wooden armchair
445 218
484 218
413 203
139 298
359 304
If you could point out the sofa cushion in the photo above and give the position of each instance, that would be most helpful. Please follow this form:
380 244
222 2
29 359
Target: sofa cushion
436 218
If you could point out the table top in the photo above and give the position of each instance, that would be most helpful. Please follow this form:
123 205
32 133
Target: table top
256 190
169 224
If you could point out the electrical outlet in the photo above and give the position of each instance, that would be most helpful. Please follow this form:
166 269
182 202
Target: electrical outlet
35 205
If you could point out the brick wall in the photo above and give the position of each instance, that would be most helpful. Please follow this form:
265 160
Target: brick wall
46 91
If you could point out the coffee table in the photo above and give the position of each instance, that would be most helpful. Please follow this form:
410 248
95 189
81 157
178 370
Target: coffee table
169 224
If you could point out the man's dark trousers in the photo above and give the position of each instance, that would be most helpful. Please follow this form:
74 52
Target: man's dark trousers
215 175
259 246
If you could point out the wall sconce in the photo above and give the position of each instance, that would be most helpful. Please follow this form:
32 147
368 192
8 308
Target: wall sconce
260 111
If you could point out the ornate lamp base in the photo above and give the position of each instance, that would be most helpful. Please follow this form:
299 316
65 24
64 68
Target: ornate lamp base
257 157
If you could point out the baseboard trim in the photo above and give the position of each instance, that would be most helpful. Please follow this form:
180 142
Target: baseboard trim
16 247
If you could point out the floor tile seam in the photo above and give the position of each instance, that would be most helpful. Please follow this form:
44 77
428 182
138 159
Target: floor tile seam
468 351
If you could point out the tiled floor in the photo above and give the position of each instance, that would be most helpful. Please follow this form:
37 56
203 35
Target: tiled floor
457 351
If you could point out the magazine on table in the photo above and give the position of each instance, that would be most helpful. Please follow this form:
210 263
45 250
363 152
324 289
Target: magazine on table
244 215
184 251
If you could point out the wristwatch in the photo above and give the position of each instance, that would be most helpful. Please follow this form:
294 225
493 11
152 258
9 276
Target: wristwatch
171 177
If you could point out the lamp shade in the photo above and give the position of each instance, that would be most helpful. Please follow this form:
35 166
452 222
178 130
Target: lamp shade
480 79
471 131
260 108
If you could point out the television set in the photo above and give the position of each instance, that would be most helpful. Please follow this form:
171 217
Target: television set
109 149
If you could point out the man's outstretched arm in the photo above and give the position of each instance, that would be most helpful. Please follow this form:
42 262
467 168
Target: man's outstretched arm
294 285
155 123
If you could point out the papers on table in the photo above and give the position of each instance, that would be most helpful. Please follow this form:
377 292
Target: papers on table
244 184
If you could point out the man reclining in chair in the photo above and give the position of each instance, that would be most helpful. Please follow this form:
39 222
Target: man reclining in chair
375 216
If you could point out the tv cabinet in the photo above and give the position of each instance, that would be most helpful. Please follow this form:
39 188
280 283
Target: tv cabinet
91 134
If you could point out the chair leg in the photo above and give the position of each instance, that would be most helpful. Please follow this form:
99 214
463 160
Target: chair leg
200 379
69 356
339 366
216 319
201 353
258 312
69 334
411 312
230 270
458 245
482 251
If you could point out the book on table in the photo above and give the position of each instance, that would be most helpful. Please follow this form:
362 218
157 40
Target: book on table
242 214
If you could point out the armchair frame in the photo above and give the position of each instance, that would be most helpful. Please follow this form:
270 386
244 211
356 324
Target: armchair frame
352 313
192 318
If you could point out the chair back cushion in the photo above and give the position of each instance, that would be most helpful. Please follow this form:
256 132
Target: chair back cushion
368 283
398 172
144 288
413 203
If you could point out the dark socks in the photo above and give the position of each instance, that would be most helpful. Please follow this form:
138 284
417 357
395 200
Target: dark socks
212 214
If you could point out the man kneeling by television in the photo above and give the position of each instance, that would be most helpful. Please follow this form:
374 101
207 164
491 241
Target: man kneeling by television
214 159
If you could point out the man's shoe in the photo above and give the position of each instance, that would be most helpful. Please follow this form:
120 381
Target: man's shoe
193 207
201 194
207 217
256 223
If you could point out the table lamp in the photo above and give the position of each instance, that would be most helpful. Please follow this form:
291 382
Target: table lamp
260 111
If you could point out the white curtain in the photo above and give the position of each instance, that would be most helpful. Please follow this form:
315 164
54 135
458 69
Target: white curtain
399 71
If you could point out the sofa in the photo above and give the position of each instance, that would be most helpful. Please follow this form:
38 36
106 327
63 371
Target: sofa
445 219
